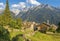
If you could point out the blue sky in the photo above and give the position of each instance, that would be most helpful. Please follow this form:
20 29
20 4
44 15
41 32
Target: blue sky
17 5
55 3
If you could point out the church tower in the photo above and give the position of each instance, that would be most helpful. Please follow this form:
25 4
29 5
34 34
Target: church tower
48 22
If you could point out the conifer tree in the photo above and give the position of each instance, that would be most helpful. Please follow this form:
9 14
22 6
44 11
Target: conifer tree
7 10
7 19
6 14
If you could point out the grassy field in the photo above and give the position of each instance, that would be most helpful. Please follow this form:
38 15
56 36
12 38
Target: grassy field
45 37
38 36
14 33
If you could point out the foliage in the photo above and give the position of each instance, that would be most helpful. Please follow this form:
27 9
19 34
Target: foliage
7 19
4 34
58 30
18 38
15 24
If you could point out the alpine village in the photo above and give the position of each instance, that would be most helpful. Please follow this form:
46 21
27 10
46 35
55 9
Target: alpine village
14 28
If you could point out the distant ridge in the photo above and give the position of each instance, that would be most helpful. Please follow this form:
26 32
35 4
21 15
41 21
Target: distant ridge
42 13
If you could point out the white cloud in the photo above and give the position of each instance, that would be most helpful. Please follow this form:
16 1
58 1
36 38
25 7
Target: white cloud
2 6
20 5
34 2
15 5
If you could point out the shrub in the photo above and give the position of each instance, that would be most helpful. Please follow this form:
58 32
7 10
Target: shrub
4 34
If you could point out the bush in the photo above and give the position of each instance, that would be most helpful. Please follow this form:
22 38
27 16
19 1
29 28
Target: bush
15 24
58 30
4 34
18 38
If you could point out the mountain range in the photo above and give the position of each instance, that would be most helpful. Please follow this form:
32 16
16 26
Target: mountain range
41 13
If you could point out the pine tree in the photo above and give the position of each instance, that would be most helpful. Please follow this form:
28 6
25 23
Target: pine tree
6 14
7 18
7 10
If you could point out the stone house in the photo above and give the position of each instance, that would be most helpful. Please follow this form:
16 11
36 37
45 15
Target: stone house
28 25
46 27
43 27
38 27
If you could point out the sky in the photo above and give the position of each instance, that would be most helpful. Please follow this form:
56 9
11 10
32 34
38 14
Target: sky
17 5
55 3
